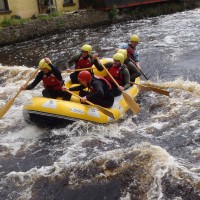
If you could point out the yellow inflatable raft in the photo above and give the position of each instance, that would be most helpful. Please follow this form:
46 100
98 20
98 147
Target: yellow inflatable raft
57 112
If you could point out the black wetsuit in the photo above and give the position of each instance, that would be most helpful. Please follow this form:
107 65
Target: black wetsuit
101 94
133 70
74 59
50 92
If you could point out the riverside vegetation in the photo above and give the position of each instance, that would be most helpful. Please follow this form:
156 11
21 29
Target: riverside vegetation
16 29
136 12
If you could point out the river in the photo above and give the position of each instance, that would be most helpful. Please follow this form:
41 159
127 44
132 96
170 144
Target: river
154 155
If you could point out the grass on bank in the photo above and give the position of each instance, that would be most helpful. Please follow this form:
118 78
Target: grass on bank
137 12
13 22
18 21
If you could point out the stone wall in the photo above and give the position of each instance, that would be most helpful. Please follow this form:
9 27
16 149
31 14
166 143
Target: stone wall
38 27
83 18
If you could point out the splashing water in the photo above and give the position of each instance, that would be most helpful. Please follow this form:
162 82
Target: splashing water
154 155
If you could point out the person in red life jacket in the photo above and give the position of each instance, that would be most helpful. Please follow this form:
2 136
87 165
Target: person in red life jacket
100 90
52 81
83 60
133 70
119 72
133 54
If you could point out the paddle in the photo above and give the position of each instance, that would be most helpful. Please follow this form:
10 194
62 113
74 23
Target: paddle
77 70
102 109
142 73
7 106
154 89
160 91
138 68
129 100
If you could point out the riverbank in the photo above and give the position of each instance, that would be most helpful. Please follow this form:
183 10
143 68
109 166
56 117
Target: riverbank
44 25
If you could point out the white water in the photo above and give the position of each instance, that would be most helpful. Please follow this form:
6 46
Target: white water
167 128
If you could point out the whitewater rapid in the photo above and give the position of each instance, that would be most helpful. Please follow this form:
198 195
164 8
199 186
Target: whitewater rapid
154 155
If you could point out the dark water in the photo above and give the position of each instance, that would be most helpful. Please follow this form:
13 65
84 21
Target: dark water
154 155
168 44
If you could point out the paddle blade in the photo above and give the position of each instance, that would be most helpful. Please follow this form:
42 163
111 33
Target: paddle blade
150 88
105 111
5 108
154 89
160 91
131 103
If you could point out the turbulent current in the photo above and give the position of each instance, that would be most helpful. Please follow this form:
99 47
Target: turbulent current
152 156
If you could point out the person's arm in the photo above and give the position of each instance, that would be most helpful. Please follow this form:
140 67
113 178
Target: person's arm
123 46
134 72
35 82
138 65
77 88
56 72
108 65
97 63
136 56
72 60
136 59
99 92
126 76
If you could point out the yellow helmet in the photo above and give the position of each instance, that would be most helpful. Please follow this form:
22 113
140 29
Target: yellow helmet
43 64
124 52
119 57
134 38
87 48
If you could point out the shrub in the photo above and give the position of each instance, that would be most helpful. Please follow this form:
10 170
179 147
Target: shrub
113 13
12 22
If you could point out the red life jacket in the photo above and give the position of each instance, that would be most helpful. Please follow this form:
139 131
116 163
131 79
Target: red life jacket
83 63
51 82
116 74
130 51
100 78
